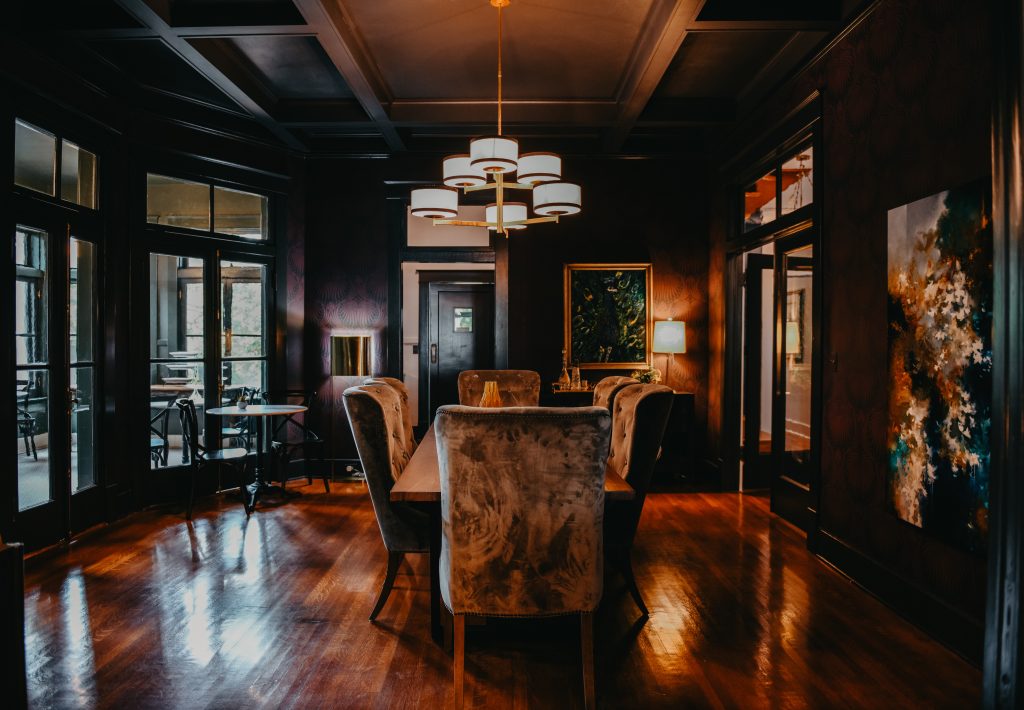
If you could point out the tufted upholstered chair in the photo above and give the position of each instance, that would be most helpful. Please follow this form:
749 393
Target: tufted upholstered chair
518 388
403 394
375 415
638 425
522 505
608 387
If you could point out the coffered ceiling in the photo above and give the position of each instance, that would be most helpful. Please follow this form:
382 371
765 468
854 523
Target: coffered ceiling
384 76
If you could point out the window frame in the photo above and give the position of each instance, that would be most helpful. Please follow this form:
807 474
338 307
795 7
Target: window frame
60 138
772 165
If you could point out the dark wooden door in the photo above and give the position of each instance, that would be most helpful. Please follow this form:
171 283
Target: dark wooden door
757 425
461 337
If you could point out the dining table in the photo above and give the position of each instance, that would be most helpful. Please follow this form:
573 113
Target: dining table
420 485
262 412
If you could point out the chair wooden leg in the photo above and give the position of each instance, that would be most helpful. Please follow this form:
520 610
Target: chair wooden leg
394 560
587 646
625 565
460 659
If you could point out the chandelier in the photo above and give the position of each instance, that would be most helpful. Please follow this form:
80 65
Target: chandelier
485 167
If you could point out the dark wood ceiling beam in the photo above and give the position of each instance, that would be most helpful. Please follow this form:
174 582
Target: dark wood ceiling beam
339 38
220 31
663 112
317 111
472 111
764 25
663 32
145 15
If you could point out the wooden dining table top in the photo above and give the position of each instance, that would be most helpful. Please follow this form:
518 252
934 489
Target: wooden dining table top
420 482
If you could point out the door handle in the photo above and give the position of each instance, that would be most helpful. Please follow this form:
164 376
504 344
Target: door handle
433 353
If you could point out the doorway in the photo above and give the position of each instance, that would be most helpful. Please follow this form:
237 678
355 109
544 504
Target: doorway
57 390
456 334
779 393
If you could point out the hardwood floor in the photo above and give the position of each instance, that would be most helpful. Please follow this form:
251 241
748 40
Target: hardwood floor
223 613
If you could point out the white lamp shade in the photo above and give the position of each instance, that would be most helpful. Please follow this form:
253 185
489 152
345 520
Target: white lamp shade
494 154
510 212
669 336
435 202
557 198
459 172
539 167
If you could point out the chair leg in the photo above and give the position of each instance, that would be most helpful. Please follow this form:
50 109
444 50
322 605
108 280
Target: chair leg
460 659
191 492
394 560
323 468
624 562
587 646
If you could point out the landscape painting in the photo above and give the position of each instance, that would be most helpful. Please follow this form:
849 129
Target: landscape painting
940 363
607 315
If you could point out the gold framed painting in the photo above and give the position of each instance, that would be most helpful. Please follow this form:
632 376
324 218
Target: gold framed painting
607 315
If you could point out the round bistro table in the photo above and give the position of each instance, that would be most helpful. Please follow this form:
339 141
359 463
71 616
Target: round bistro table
263 411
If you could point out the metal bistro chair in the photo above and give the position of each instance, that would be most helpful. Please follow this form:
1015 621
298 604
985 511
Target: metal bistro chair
26 422
291 434
159 443
199 456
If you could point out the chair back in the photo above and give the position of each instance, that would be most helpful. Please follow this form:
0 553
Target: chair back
606 389
189 429
518 388
522 504
295 423
375 415
638 426
403 394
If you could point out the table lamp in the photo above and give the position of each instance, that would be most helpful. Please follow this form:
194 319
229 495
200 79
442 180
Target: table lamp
350 355
669 338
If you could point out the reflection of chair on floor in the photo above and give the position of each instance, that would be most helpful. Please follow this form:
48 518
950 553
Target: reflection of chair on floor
159 444
199 456
26 422
291 435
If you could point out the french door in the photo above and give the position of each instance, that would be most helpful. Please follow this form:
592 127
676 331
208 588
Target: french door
796 399
54 315
207 336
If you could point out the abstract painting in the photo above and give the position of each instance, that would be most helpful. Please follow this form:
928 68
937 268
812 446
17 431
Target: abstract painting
607 315
940 363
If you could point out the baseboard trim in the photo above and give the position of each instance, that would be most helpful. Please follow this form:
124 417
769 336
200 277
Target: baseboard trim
936 617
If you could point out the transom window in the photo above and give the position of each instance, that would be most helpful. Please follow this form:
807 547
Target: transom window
205 207
786 188
40 157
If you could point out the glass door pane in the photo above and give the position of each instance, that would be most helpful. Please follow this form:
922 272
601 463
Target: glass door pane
81 314
177 350
243 326
797 362
32 376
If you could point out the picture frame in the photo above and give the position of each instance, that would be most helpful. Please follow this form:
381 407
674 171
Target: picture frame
607 315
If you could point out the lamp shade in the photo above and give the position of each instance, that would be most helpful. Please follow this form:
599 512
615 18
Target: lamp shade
436 202
494 154
458 172
669 336
792 337
350 355
539 167
557 198
510 212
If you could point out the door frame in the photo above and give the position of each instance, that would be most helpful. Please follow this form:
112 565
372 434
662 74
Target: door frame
750 441
427 281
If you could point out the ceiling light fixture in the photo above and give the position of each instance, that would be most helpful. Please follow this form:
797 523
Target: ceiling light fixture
489 160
